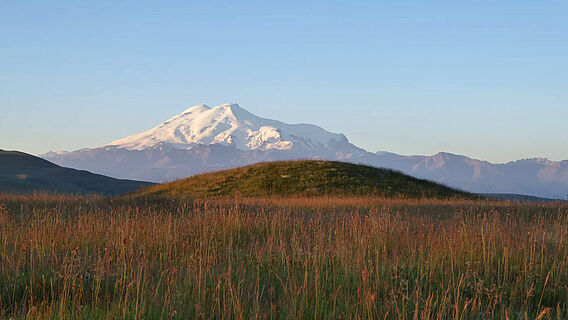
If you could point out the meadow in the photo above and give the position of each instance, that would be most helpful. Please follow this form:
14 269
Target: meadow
71 257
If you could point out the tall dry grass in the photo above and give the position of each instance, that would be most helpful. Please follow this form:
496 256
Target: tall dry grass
66 257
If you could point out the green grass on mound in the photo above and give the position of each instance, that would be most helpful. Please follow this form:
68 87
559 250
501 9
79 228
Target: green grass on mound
301 178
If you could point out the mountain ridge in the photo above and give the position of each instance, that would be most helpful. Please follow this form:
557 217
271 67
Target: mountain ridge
203 139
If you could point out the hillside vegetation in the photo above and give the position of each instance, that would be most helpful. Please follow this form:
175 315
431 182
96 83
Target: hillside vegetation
23 173
301 178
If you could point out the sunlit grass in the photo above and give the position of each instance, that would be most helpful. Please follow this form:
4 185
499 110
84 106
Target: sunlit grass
68 257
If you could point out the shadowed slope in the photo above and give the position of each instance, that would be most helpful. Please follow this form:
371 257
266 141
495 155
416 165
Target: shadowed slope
301 178
22 173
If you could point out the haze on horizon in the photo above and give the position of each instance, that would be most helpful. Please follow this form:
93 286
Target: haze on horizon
484 79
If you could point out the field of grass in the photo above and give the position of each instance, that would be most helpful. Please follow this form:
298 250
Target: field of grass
317 258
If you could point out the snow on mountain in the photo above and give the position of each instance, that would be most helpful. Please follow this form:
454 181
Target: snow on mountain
231 125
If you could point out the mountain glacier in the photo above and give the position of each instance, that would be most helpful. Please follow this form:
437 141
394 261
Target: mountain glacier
230 125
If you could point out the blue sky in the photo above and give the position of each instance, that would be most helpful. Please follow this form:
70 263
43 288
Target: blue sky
487 79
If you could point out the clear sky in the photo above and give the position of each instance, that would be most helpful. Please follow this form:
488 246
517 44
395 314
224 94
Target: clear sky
487 79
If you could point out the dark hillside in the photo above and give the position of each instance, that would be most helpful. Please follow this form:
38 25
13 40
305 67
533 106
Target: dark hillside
23 173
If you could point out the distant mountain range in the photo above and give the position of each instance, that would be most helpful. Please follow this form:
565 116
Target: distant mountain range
23 173
203 139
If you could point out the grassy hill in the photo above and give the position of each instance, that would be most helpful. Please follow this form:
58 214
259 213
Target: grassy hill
301 178
23 173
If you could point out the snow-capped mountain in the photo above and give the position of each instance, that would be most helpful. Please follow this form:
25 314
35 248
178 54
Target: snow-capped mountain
204 139
231 125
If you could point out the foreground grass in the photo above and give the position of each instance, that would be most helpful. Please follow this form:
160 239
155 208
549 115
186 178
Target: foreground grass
67 257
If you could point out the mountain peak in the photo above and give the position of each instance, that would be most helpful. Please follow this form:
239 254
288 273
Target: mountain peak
197 108
234 109
447 155
231 125
232 105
